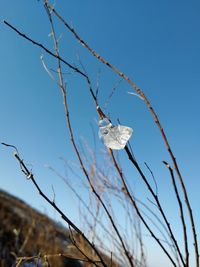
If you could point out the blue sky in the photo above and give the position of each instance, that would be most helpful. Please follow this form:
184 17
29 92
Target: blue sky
156 43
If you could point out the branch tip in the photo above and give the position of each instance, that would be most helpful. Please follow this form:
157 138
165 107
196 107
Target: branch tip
166 164
15 154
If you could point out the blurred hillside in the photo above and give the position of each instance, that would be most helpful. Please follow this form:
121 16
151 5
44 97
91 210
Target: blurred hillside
24 232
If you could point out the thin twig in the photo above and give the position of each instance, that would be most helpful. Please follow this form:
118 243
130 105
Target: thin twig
152 177
112 93
45 49
181 211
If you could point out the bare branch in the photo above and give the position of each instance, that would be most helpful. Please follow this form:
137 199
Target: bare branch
63 216
155 117
181 211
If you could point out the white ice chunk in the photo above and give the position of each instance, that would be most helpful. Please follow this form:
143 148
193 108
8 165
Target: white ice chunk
114 137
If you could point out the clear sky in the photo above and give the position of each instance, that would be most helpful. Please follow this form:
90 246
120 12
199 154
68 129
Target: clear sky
156 43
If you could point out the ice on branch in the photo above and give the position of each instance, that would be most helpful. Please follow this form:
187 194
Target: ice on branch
114 137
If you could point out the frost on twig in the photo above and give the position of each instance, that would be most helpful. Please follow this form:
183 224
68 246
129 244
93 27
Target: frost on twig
46 68
131 93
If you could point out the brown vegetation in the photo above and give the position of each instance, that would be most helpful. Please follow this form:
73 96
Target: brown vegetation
25 232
